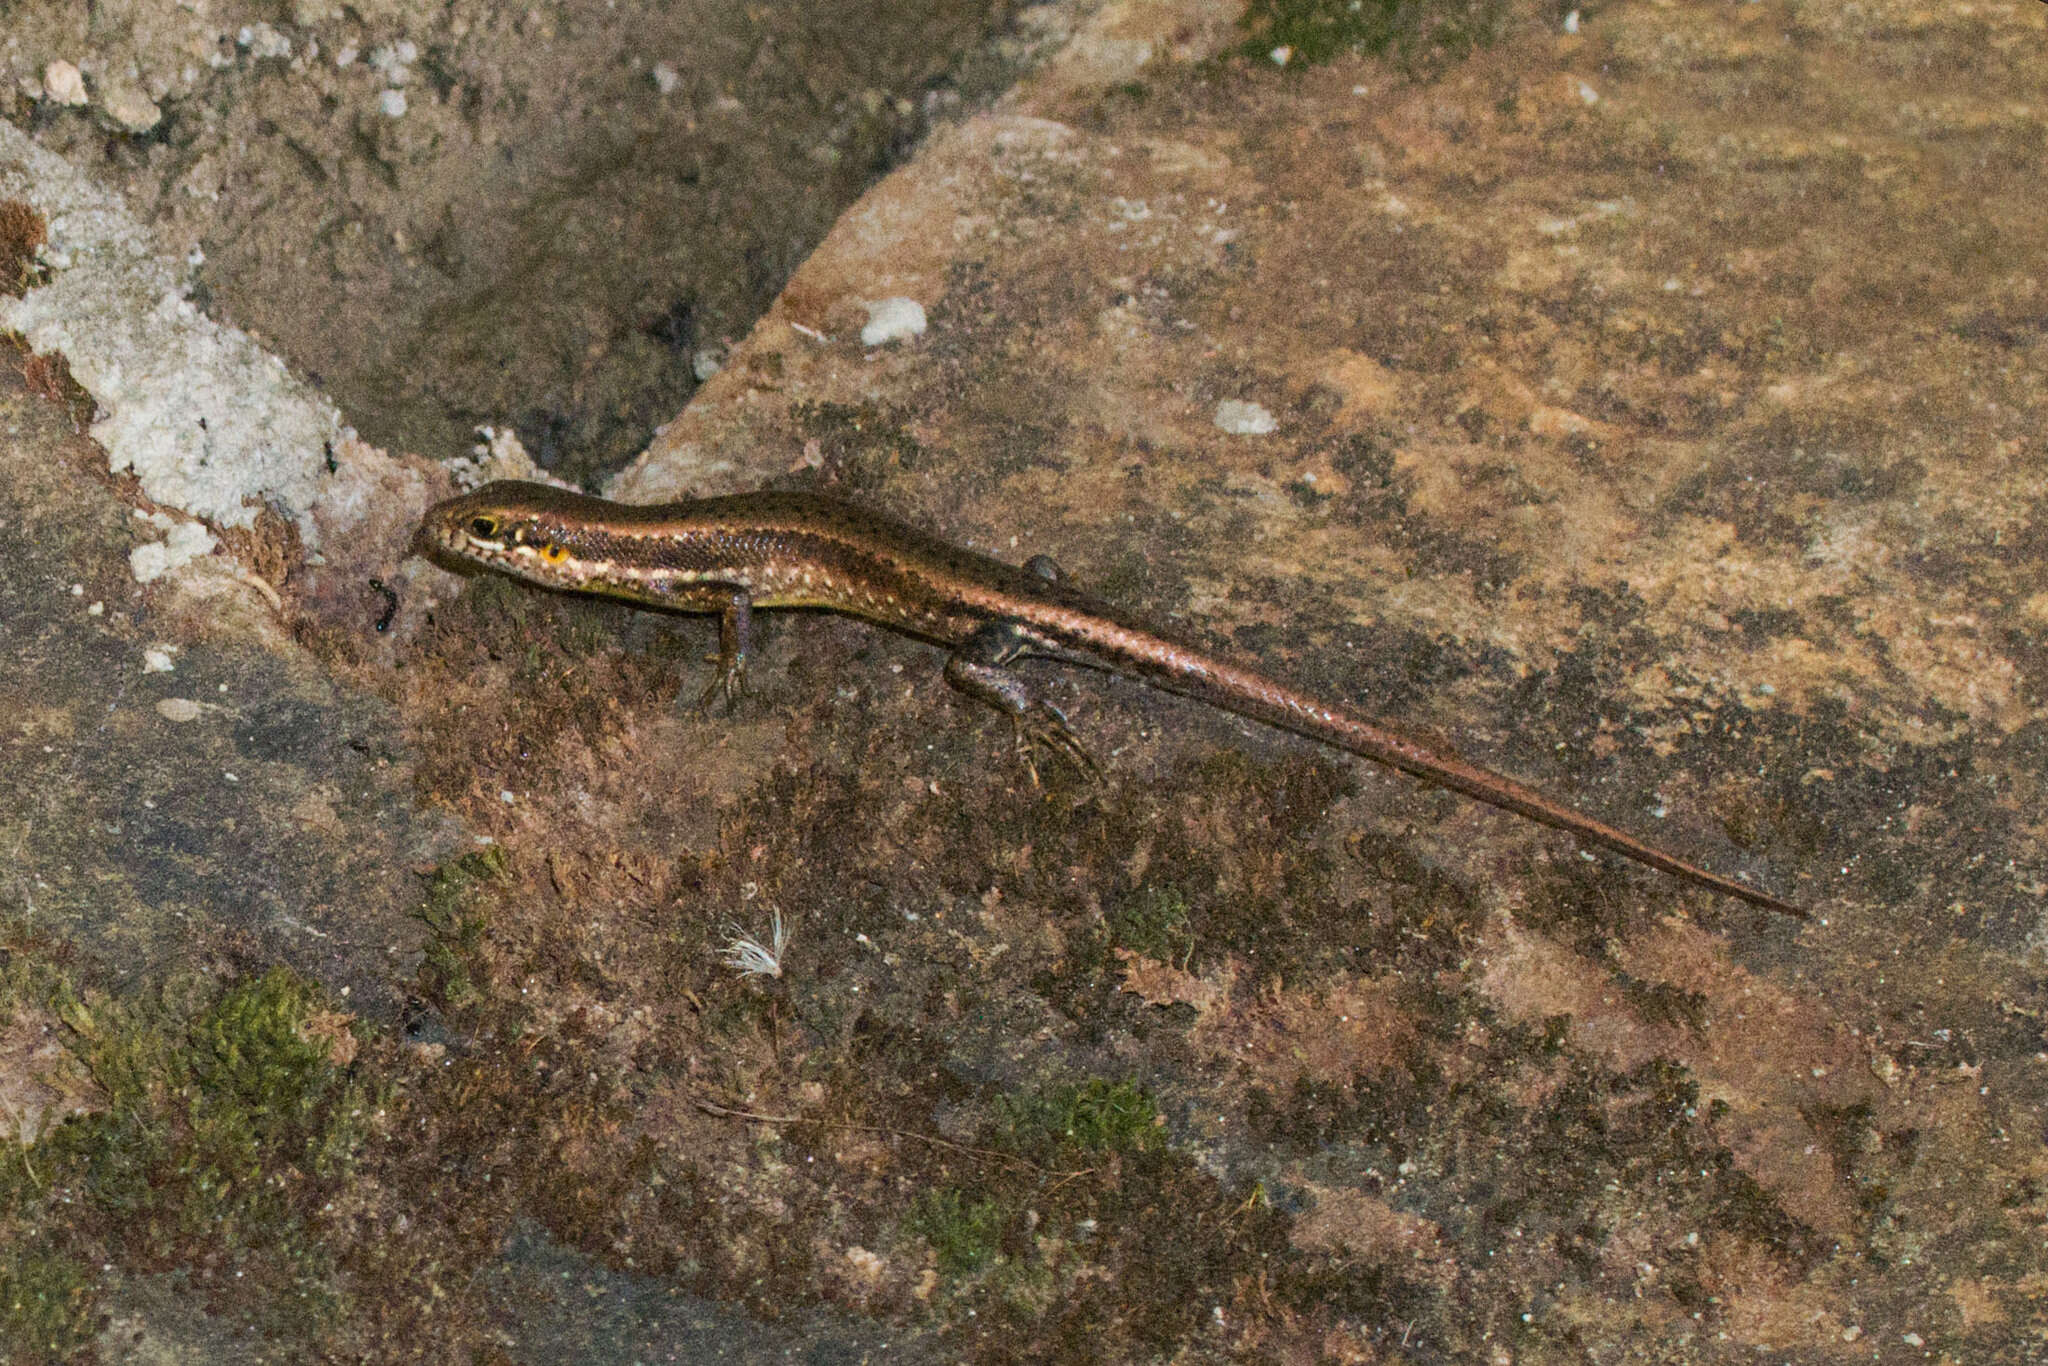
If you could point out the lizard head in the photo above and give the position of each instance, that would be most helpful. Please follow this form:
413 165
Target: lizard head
530 531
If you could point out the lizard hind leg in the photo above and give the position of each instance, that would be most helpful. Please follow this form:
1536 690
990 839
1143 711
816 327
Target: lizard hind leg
979 667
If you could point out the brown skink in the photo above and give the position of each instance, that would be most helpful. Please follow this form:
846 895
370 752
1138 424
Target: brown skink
731 555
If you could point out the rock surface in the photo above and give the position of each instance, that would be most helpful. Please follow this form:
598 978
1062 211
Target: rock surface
1651 404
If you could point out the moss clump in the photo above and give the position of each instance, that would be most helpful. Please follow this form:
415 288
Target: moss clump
264 1088
452 959
963 1233
226 1127
1108 1246
1081 1119
1069 1124
1418 33
46 1305
1154 923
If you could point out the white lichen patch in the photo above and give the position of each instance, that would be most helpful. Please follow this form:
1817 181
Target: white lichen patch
499 455
1239 418
891 320
183 543
208 421
262 41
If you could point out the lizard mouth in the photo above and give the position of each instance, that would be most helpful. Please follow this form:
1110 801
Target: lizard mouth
442 538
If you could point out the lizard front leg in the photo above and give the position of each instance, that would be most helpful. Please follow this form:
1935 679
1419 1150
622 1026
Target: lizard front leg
735 608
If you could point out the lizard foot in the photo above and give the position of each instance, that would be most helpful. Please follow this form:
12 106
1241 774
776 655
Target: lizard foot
1041 723
730 683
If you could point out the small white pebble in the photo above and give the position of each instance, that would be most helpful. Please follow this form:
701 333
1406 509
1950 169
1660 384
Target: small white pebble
63 83
1913 1340
98 609
179 709
157 659
1588 93
505 796
1281 55
893 319
1571 22
392 102
665 78
1240 418
346 57
132 109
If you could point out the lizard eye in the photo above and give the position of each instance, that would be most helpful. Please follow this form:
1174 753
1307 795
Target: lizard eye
483 527
554 552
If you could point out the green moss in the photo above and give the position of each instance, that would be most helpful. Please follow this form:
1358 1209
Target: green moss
1154 923
262 1092
225 1127
1081 1119
1111 1247
1418 33
452 958
963 1233
46 1305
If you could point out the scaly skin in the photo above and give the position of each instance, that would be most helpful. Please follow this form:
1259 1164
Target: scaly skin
731 555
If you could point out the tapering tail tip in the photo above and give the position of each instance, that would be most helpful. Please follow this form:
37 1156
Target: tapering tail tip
1772 903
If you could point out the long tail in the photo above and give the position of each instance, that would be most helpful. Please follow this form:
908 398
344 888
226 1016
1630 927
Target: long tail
1197 674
